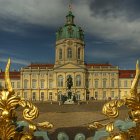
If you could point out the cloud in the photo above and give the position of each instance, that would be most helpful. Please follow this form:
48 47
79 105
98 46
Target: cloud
111 20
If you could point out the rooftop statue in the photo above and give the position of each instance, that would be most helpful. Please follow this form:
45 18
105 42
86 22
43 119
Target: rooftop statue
9 126
128 129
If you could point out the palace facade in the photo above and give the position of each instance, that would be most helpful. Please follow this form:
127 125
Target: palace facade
47 82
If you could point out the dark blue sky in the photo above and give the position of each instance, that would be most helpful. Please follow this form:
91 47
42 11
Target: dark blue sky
112 30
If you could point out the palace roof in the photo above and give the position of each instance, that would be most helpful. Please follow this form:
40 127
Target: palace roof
13 75
98 65
41 65
127 73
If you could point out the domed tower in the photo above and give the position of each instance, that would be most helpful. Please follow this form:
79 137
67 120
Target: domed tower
69 43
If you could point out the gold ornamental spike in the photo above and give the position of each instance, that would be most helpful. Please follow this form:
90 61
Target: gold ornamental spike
135 81
7 77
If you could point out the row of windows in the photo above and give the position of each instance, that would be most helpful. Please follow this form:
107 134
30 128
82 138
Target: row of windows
25 95
61 81
50 96
104 74
104 83
104 96
14 84
42 75
69 53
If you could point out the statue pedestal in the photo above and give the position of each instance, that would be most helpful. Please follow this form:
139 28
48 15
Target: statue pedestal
69 102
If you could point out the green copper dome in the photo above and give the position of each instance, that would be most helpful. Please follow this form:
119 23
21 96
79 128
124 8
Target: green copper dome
70 30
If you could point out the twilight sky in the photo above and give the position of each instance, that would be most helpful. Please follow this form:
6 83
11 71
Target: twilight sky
112 30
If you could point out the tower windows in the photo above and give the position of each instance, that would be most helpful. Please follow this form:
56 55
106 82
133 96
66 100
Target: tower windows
79 50
60 53
69 53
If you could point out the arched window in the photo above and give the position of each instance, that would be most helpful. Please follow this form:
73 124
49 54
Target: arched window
79 52
112 82
42 84
69 53
104 83
25 84
60 53
34 83
78 80
60 81
96 83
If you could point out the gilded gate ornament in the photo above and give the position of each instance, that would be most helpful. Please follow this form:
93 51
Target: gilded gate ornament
9 102
129 129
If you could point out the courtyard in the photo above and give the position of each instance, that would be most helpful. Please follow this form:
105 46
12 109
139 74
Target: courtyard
73 119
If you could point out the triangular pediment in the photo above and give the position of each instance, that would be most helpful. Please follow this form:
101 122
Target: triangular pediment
69 66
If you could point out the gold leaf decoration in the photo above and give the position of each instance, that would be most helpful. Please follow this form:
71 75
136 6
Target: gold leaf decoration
30 112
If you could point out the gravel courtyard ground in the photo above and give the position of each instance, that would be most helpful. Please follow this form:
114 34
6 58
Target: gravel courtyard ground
73 119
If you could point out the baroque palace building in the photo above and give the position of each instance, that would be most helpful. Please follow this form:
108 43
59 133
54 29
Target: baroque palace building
47 82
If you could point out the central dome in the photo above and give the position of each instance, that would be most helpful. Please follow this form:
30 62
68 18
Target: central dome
70 30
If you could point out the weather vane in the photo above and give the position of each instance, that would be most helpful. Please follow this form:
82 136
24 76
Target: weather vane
70 5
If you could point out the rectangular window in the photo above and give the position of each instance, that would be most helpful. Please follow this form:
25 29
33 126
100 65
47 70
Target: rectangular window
25 84
18 84
125 83
112 83
96 83
34 96
104 83
34 84
50 95
42 96
42 84
104 94
25 95
13 84
50 83
112 94
120 83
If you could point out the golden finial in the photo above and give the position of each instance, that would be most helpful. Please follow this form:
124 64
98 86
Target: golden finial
7 76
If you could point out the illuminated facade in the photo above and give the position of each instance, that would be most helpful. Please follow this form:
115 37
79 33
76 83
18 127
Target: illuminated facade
47 82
